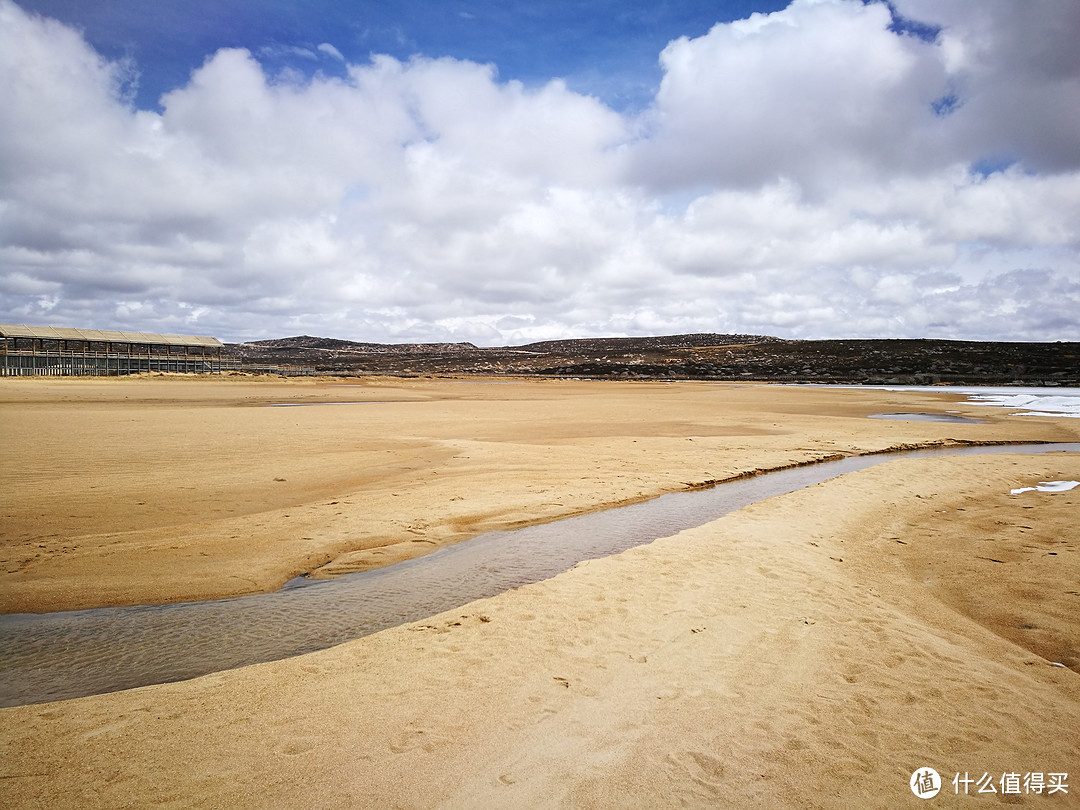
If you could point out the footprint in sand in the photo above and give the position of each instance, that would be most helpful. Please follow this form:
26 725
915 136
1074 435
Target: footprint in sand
296 746
414 738
704 769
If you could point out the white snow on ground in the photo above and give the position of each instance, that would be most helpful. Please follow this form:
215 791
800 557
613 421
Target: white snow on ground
1033 400
1047 486
1033 404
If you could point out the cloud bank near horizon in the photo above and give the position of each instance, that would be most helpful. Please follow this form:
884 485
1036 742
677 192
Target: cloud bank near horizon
829 170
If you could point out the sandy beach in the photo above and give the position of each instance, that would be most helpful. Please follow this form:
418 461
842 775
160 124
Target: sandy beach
813 649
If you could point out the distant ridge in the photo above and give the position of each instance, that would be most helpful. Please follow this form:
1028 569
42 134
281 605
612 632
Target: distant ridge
701 356
644 344
335 345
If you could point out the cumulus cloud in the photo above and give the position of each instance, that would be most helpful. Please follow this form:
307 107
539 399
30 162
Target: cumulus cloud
798 174
1014 78
822 92
828 93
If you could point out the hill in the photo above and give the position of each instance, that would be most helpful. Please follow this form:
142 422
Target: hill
695 356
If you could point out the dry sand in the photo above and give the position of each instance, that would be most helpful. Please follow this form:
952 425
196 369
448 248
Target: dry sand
132 491
810 650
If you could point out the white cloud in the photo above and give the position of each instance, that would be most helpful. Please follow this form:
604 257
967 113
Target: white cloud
1015 71
792 178
279 51
821 93
331 51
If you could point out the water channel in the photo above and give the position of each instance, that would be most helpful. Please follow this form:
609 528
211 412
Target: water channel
54 656
928 417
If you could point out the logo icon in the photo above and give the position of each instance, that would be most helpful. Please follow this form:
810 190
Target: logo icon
925 783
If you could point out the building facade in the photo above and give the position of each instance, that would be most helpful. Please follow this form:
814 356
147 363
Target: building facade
53 351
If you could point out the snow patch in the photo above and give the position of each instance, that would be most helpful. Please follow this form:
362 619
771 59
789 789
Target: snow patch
1033 404
1047 486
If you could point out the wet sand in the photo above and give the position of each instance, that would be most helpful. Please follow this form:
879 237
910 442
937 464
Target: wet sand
810 650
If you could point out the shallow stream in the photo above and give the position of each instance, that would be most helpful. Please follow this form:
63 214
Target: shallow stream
54 656
927 417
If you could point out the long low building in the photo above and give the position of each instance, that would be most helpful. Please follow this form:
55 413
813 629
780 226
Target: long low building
53 351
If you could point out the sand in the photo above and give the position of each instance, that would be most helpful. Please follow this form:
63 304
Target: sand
151 490
810 650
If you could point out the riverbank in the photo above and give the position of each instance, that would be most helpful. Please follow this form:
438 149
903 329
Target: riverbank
810 650
158 489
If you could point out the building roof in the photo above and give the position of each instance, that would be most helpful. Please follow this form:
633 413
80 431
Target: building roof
102 336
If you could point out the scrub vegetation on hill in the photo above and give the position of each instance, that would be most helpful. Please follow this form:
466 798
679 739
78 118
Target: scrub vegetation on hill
696 356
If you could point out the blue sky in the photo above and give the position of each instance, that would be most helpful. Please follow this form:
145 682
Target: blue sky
507 172
605 47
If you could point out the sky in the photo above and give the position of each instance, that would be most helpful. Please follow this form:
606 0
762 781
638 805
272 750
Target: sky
501 172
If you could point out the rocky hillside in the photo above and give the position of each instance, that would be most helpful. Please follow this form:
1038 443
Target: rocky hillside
698 356
307 342
642 344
